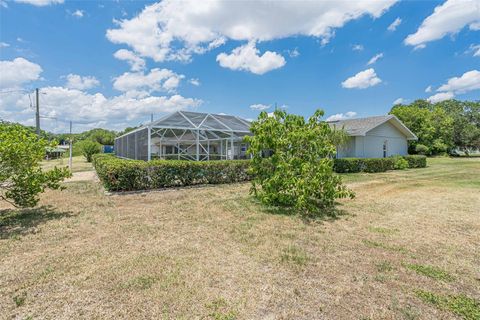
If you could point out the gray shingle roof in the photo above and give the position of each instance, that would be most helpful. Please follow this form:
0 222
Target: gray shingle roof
359 126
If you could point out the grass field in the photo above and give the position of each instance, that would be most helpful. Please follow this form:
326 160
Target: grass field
407 247
78 164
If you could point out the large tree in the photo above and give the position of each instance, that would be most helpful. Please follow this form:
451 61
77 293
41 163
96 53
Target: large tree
442 126
21 177
292 162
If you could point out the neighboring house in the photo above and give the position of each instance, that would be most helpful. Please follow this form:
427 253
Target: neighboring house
374 137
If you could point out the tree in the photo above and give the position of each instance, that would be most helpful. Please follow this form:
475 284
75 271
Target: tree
299 171
89 148
21 178
442 126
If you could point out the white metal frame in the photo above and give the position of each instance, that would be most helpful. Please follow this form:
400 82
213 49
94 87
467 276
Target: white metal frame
201 137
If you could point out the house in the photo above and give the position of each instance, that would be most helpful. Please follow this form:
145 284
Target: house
374 137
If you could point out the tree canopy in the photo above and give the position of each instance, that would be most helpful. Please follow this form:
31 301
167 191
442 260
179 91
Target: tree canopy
298 173
443 126
21 177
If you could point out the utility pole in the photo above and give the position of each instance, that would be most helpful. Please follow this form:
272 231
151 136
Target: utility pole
151 117
37 113
70 148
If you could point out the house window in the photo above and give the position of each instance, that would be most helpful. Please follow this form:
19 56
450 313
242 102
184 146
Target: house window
170 150
385 148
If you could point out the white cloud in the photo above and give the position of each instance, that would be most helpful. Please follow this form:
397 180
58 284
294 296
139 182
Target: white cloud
194 81
467 82
357 47
114 112
78 13
392 27
40 3
4 45
293 53
342 116
259 107
398 101
74 81
3 4
428 89
375 58
474 26
17 72
142 84
174 30
248 58
136 63
475 49
362 80
447 18
442 96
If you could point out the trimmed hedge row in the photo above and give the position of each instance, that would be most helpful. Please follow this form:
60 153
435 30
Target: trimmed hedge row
128 175
416 161
350 165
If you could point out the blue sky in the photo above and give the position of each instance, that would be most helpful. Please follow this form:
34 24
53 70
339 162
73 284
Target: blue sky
113 63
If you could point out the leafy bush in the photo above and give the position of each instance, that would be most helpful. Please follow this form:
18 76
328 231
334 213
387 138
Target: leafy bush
422 149
439 147
378 164
350 165
299 171
21 177
128 175
89 148
416 161
399 163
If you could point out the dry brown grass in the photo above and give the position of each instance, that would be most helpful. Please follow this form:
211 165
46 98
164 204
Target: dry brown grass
79 164
214 253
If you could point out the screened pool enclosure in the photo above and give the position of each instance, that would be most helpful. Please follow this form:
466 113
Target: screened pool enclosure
186 135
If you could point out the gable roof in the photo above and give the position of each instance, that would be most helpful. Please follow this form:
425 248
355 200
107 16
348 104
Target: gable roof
360 126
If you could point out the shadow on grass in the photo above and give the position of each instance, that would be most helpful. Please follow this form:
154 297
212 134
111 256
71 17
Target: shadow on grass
324 214
20 222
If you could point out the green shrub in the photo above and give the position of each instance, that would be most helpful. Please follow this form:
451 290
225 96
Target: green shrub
378 164
127 175
399 163
349 165
422 149
298 174
89 148
416 161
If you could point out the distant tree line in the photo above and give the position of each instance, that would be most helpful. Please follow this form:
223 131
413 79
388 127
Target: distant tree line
442 127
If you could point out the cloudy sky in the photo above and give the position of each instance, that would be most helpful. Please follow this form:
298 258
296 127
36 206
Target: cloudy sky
114 63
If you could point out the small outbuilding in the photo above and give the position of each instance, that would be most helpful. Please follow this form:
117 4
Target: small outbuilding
374 137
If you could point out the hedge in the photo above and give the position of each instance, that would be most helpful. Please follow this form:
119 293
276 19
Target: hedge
349 165
127 175
416 161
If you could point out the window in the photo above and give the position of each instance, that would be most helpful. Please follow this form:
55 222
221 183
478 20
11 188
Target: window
170 150
385 148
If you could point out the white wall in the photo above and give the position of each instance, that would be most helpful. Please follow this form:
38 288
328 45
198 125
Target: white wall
348 150
371 145
373 142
